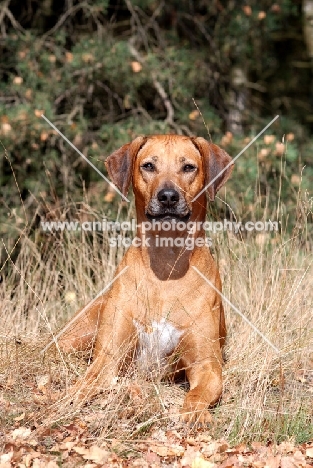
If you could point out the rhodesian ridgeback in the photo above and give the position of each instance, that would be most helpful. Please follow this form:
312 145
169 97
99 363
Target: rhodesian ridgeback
160 306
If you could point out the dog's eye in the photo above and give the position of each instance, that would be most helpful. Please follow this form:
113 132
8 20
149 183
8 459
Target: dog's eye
148 166
189 168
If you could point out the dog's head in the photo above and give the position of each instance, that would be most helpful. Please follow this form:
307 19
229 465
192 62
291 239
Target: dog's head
168 171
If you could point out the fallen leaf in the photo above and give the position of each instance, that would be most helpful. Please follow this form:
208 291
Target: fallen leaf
39 399
6 457
67 445
39 463
286 447
30 456
42 382
96 454
241 448
20 417
191 454
258 463
272 462
159 435
309 452
32 442
168 451
211 448
176 451
298 454
80 450
160 450
52 464
152 457
135 390
191 441
230 462
287 462
200 462
21 433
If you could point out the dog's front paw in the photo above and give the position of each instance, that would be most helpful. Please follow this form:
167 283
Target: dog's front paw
83 391
89 386
195 410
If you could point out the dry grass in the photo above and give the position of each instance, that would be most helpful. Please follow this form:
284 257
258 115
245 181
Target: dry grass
266 396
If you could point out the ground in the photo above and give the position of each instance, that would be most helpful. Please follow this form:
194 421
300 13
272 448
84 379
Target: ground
265 416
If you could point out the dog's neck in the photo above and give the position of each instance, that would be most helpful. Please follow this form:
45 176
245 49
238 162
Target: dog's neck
168 252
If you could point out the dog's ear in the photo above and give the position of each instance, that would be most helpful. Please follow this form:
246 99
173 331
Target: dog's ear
120 164
218 165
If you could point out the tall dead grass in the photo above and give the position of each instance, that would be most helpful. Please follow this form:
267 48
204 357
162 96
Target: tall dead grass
267 396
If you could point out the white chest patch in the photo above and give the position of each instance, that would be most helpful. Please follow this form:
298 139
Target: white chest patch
155 344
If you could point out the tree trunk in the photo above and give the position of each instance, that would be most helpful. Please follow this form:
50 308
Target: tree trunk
237 100
307 7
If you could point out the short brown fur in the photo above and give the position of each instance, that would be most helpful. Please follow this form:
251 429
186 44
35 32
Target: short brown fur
160 283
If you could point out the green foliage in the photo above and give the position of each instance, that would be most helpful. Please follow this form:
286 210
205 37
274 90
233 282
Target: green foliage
100 71
275 428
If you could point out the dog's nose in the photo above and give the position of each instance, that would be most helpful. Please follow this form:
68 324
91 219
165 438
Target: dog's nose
168 197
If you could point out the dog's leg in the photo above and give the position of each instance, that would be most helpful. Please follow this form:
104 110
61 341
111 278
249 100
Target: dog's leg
79 333
114 347
204 372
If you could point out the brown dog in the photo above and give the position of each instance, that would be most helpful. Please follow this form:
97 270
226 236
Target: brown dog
160 306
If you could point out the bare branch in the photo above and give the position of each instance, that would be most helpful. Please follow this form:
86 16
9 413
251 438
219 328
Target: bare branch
159 88
63 18
6 12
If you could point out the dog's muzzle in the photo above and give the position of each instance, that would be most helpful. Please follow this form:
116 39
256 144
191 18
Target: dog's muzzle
168 204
